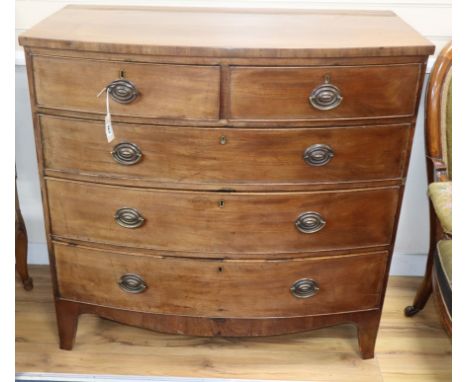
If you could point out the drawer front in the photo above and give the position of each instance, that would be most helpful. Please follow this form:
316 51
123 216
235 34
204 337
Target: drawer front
212 222
191 156
216 288
321 93
164 91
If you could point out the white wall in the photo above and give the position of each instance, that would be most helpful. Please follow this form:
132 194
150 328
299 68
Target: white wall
432 18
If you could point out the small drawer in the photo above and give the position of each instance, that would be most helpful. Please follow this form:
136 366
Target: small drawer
215 222
189 157
324 93
215 288
148 90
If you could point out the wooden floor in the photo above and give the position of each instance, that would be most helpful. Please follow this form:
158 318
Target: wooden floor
408 349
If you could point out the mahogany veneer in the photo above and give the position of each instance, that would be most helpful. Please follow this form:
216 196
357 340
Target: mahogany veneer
255 180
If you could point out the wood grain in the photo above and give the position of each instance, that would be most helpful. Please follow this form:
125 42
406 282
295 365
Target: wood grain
415 349
283 93
435 136
217 288
165 91
189 157
195 74
255 223
227 32
21 246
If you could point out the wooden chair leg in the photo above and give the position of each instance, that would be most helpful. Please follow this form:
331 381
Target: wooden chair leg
425 289
21 253
21 249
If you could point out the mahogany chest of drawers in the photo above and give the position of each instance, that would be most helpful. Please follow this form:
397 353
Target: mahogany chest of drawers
254 180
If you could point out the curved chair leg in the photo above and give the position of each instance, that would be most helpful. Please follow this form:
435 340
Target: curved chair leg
21 253
425 289
21 250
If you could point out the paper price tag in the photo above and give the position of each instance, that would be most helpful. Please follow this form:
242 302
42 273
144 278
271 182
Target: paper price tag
107 120
109 130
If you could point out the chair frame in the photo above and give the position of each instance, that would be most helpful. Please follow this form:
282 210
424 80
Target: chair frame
437 171
21 246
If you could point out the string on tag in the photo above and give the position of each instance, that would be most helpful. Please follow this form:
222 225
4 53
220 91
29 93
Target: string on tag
107 120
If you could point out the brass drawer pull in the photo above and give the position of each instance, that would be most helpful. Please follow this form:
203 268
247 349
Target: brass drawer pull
325 96
318 155
304 288
310 222
129 217
122 91
126 153
132 283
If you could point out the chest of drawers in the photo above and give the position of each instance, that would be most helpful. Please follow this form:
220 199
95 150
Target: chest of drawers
254 183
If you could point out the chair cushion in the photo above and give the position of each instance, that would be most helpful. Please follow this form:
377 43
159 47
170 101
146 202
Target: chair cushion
441 196
443 269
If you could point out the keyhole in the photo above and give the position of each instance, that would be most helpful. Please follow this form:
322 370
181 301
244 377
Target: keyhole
221 203
223 140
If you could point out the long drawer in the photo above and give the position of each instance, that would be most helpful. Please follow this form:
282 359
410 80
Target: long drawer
217 288
160 91
324 93
223 223
187 156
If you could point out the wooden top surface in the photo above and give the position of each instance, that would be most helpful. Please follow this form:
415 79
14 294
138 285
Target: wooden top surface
227 32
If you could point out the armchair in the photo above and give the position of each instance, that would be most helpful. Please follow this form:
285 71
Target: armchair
438 277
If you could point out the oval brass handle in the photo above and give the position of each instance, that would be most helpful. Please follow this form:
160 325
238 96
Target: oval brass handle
325 96
126 153
310 222
122 91
304 288
132 283
129 217
318 155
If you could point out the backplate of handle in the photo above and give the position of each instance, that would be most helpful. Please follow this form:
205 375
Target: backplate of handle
304 288
122 91
325 96
318 155
310 222
128 217
126 153
132 283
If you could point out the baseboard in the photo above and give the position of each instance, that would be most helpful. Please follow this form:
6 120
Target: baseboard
408 264
38 253
403 264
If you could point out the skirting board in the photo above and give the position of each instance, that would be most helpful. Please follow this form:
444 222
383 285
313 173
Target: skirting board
403 263
49 377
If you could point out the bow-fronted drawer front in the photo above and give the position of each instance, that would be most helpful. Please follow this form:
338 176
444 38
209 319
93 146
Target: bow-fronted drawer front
215 288
135 89
240 158
240 224
324 93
